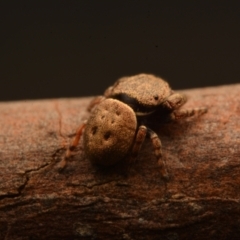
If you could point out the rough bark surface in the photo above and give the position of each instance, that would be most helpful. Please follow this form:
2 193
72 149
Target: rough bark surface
201 200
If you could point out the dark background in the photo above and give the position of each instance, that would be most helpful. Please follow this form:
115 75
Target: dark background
76 48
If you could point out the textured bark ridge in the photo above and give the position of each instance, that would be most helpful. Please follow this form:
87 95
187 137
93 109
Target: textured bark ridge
201 200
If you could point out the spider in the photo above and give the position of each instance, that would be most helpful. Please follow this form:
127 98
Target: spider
119 120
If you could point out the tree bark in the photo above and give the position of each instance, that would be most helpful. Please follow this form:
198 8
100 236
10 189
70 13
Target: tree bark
201 199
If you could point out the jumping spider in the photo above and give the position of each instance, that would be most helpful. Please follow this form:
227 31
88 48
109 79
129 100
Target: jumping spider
119 120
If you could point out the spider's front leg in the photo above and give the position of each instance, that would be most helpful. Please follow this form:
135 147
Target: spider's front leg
174 101
184 113
95 101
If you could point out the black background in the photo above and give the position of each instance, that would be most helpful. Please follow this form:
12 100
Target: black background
76 48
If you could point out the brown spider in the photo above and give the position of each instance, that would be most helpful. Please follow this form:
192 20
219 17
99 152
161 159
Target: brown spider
119 120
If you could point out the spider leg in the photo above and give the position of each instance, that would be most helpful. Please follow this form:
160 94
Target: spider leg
139 139
72 146
184 113
95 102
174 101
156 142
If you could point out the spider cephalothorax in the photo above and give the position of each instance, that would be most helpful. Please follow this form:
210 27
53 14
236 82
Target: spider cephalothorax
117 125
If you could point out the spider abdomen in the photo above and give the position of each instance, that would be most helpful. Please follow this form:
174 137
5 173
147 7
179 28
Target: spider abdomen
109 132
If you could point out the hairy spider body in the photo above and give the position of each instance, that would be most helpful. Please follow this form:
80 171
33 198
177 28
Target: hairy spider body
144 93
118 123
109 132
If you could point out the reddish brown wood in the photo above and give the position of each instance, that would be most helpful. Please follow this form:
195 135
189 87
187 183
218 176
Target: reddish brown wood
201 200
